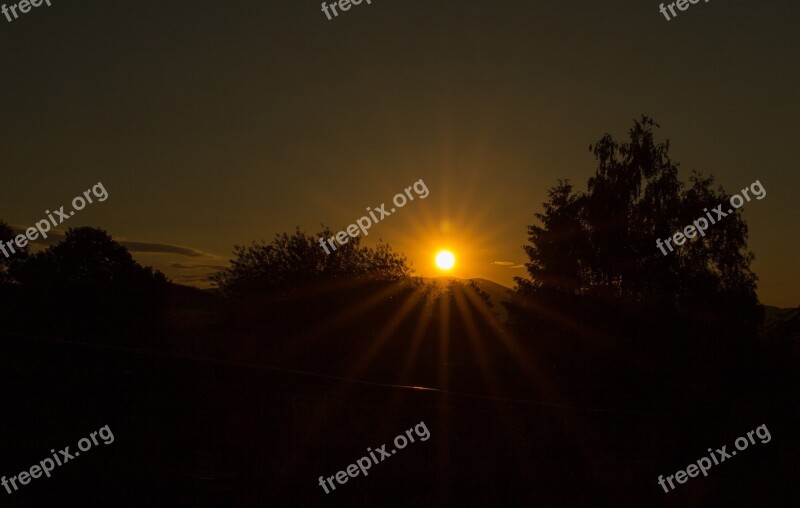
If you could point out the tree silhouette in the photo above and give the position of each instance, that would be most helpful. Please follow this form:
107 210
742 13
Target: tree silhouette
87 257
602 243
595 270
284 289
89 285
6 234
295 260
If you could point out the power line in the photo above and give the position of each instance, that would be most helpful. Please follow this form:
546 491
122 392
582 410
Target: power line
218 361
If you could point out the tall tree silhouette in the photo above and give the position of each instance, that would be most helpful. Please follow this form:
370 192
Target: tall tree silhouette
595 268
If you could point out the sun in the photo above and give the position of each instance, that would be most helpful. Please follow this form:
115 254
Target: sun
445 260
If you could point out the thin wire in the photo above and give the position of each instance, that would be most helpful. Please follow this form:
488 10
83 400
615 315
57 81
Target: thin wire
323 376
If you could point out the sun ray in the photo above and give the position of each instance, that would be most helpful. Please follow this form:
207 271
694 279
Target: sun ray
527 363
416 341
465 306
345 317
478 351
443 405
385 332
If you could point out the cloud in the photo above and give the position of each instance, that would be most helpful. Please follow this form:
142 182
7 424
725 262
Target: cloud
160 248
55 236
508 264
201 281
191 266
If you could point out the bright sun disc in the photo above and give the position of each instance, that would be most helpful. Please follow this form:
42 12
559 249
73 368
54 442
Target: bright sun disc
445 259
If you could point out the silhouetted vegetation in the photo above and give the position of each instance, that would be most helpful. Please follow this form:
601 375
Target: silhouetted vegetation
86 287
603 300
296 260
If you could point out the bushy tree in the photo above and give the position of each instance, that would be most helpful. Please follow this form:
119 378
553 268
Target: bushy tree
87 257
89 285
295 260
596 275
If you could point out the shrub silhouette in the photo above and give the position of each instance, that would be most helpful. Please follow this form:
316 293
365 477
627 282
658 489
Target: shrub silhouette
295 260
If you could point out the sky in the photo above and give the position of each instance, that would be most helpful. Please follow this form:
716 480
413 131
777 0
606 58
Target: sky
212 124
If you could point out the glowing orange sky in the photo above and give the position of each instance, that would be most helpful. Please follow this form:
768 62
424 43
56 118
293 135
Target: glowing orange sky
214 126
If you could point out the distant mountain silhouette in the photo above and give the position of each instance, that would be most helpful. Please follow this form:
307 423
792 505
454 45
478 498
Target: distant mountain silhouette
774 314
782 328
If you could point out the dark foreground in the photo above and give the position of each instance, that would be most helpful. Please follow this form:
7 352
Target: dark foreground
192 432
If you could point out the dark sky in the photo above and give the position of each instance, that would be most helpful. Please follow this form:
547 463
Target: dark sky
216 123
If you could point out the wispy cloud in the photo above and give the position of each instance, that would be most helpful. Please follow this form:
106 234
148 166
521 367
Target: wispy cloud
160 248
509 264
190 266
55 236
